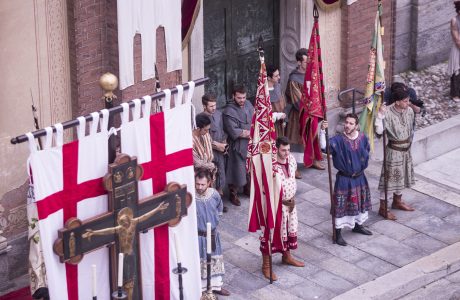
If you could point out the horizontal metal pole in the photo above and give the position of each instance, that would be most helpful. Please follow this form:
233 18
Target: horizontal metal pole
117 109
341 93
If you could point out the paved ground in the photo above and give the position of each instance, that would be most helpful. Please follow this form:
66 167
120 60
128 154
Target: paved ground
332 270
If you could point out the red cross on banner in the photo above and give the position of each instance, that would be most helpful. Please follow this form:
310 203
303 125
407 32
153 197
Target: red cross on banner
68 183
162 144
156 170
67 200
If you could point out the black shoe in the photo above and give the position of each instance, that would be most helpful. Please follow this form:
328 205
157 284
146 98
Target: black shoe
339 239
360 229
225 209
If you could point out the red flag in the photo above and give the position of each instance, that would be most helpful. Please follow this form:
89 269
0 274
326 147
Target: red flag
265 190
313 102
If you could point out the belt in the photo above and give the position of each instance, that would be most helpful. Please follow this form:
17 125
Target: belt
354 175
396 148
213 238
400 142
204 233
289 202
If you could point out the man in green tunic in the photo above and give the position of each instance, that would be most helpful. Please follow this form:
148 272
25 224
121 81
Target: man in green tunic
399 124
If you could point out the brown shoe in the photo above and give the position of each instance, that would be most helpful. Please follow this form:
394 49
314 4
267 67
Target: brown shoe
247 189
399 204
384 212
234 195
317 165
298 175
266 268
222 292
289 260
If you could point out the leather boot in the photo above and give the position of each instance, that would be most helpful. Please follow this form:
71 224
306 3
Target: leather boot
338 237
234 195
317 165
298 175
288 259
222 292
266 268
399 204
247 189
384 212
360 229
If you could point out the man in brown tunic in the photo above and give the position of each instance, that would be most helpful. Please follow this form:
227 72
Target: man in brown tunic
276 97
293 94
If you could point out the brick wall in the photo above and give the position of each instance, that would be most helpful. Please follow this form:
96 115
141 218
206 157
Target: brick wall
93 50
142 88
93 38
357 29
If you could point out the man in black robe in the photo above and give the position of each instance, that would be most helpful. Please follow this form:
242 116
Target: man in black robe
237 117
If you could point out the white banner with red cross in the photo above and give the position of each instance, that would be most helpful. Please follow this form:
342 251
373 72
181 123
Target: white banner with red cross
68 183
163 145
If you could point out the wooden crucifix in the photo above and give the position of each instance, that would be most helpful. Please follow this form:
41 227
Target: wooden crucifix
120 227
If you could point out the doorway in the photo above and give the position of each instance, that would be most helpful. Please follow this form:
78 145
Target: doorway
231 33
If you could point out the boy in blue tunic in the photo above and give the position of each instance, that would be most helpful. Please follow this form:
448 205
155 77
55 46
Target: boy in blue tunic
350 156
209 209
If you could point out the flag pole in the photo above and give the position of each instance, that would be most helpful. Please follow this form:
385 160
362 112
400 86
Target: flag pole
328 153
260 50
385 171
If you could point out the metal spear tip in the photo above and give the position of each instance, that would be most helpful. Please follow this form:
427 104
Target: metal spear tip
157 79
315 12
260 45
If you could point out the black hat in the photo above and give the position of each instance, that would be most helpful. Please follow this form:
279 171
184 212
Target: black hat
457 5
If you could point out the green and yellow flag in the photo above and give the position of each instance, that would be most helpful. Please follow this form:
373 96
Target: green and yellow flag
375 83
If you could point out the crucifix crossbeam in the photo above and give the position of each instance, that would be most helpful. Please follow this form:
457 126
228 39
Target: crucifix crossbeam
127 217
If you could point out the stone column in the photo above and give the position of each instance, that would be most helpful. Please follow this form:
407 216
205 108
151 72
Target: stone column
296 21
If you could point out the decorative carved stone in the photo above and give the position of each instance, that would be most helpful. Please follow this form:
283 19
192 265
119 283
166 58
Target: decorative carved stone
54 96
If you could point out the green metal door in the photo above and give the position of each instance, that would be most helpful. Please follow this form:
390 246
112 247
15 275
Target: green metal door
231 33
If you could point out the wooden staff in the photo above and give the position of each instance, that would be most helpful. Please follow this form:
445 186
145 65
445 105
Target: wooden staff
34 114
385 171
158 107
328 153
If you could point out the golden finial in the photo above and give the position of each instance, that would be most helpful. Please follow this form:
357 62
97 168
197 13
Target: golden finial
108 83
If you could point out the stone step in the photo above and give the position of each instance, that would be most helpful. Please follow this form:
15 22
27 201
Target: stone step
435 140
410 277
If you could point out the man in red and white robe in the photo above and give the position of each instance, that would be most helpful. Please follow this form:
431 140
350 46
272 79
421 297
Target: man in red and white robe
285 233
